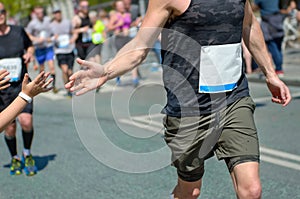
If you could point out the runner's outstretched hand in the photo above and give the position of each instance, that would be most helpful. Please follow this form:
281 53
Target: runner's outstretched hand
86 80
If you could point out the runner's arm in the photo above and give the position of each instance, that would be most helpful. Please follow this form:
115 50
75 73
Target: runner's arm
114 22
130 56
254 40
29 55
77 23
133 53
73 34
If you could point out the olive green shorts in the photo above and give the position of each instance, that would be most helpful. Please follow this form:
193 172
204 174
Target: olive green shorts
230 134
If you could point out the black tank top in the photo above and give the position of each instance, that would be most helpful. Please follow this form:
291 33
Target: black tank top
84 22
204 23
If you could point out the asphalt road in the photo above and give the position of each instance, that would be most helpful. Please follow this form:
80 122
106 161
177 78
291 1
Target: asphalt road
109 145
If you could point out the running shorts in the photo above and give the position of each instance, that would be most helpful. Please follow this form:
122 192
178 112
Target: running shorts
236 139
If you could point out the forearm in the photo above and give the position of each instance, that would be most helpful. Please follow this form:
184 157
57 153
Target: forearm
130 56
81 29
30 50
11 112
254 40
74 37
33 38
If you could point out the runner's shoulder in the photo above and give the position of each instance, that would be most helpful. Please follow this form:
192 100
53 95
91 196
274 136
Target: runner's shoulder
179 7
176 7
16 28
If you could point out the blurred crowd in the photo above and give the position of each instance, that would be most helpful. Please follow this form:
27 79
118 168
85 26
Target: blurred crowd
97 35
83 36
280 25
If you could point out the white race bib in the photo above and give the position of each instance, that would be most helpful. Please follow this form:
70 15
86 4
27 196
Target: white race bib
43 34
220 68
87 36
133 31
97 38
63 41
13 66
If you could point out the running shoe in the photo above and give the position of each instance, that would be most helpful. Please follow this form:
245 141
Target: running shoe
68 95
280 73
15 167
29 165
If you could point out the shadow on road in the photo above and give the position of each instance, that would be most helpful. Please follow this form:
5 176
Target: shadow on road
258 105
41 162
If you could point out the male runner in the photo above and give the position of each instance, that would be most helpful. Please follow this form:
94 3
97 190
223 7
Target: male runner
207 90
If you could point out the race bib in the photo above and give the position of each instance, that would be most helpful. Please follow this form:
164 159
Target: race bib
87 36
220 68
63 41
13 66
43 34
133 31
97 38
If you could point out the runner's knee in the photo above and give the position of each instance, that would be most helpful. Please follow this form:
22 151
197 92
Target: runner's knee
10 130
252 190
26 124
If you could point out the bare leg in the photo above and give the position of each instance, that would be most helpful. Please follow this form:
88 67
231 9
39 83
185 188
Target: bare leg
65 73
187 190
51 67
25 120
245 178
42 67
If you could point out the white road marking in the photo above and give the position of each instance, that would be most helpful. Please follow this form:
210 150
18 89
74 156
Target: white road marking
280 162
280 154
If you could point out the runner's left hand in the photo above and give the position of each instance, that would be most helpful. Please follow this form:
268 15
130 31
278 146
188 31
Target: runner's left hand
280 92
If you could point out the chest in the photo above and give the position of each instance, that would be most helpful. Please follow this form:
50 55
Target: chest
63 27
41 28
211 14
10 46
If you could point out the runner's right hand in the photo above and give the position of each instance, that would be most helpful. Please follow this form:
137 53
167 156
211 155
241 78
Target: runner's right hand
86 80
